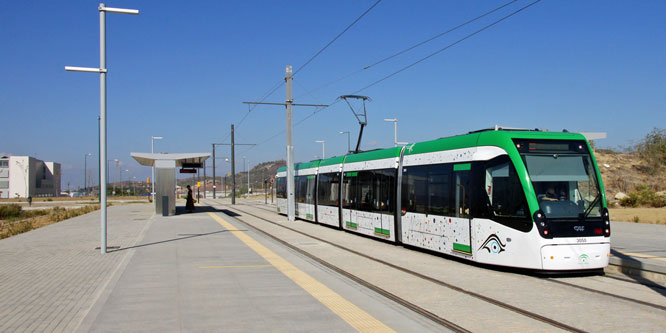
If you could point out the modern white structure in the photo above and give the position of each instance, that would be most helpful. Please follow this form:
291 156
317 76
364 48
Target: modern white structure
24 176
165 175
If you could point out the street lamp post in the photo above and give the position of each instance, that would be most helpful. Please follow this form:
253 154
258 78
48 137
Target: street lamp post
152 151
323 148
348 145
102 105
224 180
85 173
117 166
128 181
120 179
246 166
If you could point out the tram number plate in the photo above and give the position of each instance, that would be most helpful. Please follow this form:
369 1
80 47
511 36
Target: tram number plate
581 240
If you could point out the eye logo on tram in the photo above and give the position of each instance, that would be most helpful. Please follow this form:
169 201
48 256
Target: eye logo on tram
493 244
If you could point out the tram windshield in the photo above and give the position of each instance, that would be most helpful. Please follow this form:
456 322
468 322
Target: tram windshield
564 182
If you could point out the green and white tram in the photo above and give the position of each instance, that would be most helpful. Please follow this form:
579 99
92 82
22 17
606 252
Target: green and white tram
516 198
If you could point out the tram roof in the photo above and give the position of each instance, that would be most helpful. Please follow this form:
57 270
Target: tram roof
306 165
374 155
332 161
499 138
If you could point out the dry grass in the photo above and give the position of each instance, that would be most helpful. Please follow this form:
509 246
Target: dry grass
29 220
79 199
639 215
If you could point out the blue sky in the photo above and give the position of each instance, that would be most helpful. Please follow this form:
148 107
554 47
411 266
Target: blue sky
182 70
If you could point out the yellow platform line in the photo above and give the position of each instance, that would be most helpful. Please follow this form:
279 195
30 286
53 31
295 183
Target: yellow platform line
237 266
642 255
353 315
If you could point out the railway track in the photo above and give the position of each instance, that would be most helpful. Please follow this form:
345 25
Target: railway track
552 280
435 318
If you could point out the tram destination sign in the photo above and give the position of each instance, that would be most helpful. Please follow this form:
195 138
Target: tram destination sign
184 170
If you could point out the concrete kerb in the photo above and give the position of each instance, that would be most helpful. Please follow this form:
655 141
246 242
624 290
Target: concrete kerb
635 268
100 299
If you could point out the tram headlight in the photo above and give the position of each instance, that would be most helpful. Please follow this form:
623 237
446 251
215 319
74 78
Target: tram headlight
606 218
542 224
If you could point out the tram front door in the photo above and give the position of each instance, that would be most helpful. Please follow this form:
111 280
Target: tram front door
462 241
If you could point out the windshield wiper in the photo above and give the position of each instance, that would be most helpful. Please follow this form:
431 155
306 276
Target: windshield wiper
592 204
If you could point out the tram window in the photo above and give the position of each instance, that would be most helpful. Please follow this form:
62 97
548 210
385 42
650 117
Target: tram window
322 189
504 193
377 178
350 181
297 191
281 189
414 189
462 193
384 188
439 190
328 189
310 194
301 187
565 185
365 191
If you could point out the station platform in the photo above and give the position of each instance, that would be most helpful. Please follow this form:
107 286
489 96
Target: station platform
207 271
199 271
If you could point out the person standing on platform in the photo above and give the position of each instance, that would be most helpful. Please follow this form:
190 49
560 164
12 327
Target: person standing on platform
189 206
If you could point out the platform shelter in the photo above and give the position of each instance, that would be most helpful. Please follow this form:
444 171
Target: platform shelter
166 166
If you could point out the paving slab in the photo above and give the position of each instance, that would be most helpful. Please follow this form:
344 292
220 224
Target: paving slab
51 277
189 273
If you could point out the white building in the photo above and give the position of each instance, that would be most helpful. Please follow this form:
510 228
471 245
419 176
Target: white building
23 176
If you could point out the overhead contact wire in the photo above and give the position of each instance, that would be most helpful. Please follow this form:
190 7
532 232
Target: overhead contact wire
309 61
413 46
446 47
336 37
402 52
439 35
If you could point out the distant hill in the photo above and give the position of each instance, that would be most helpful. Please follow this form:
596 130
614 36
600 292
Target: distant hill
622 172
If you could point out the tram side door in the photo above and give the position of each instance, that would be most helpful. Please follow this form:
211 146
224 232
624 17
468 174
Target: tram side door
462 241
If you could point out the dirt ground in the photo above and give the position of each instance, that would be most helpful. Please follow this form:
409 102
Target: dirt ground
639 215
622 172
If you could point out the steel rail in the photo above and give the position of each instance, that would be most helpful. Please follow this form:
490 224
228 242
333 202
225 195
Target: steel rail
487 299
599 292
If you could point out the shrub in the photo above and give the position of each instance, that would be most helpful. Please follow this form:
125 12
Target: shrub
9 211
16 228
643 196
636 219
652 149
